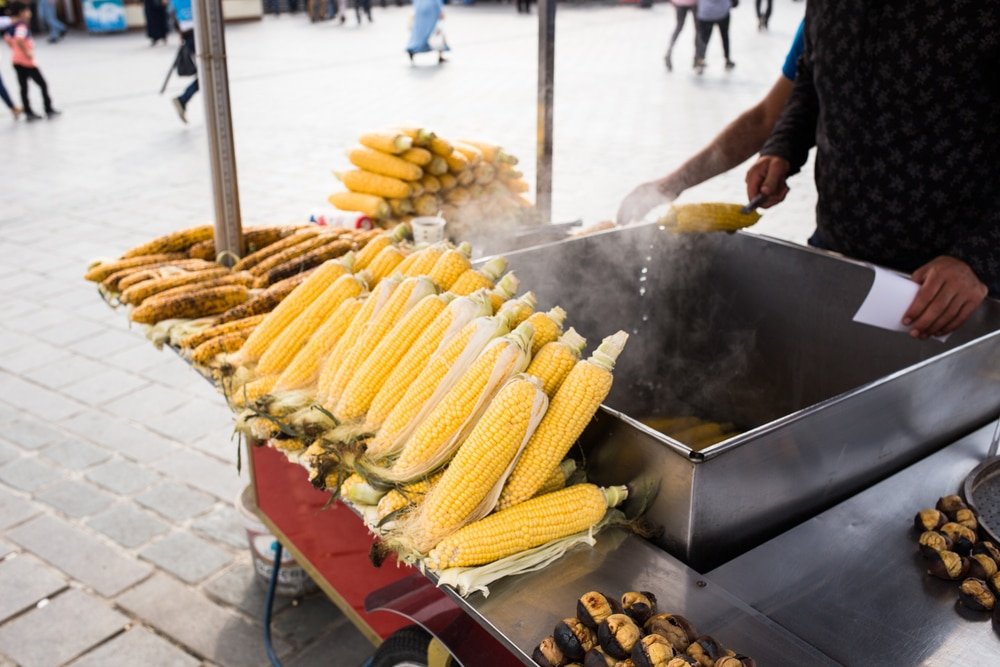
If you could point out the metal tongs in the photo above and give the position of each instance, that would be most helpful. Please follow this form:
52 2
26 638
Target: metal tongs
754 204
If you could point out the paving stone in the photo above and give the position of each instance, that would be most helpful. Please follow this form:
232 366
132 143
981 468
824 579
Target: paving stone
75 498
30 434
175 501
70 330
31 356
122 477
193 620
219 443
14 509
29 474
239 587
25 580
223 524
147 403
66 372
105 386
107 344
75 454
307 618
63 629
6 548
43 319
35 399
138 359
138 646
186 556
8 453
116 434
203 472
344 642
128 526
79 554
193 420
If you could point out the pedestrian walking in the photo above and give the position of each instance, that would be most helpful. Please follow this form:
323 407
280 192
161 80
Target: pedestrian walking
524 6
426 14
16 111
157 25
363 5
22 46
763 16
682 8
712 13
47 13
184 19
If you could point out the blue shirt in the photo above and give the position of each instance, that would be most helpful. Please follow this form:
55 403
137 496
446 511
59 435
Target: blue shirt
792 59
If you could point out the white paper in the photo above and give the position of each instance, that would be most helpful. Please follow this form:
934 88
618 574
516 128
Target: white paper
887 301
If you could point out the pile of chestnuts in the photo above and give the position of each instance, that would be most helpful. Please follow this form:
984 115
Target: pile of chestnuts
950 541
630 632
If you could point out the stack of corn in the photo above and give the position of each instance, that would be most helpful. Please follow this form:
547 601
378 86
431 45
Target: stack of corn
410 171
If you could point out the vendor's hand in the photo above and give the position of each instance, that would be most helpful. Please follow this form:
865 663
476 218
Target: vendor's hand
644 199
949 293
768 176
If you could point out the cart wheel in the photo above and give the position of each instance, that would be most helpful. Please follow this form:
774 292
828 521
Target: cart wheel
403 648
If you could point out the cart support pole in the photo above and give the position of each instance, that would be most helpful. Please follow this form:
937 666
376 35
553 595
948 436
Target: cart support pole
214 83
546 89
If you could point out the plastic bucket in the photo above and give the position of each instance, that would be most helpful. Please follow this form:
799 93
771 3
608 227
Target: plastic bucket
293 581
427 229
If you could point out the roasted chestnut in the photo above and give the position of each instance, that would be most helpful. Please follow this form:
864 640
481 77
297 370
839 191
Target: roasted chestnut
929 519
594 607
962 538
573 638
640 605
547 654
596 657
618 634
951 504
948 565
988 548
736 661
682 661
965 517
932 542
625 663
976 595
705 650
652 651
981 566
676 629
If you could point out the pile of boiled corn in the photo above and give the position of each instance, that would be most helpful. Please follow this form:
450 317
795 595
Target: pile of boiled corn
423 390
174 284
401 173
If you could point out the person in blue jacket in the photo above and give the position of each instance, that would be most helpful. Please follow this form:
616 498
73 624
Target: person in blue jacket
426 14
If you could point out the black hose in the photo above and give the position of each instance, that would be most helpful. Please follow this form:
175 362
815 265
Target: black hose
269 605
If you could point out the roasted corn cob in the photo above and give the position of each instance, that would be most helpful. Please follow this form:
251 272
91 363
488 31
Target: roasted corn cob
187 306
264 302
196 339
208 350
100 271
255 258
178 241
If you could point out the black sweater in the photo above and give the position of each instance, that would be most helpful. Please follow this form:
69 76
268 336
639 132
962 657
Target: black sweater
902 100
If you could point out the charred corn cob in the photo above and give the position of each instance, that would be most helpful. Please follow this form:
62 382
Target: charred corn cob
450 265
327 251
178 241
709 217
530 524
255 258
359 180
482 278
548 327
202 250
188 306
103 270
129 277
241 278
288 254
264 302
303 371
386 165
208 333
556 359
387 142
139 292
571 409
208 350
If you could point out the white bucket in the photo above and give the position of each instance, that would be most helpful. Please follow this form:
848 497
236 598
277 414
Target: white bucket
427 229
293 581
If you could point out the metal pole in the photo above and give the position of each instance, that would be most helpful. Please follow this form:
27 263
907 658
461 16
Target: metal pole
546 89
214 82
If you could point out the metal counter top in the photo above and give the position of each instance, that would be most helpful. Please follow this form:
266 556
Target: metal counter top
521 610
852 583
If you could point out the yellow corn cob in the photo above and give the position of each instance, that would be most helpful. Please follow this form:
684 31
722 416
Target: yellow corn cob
438 166
458 196
247 323
473 155
548 327
298 250
286 311
101 271
400 207
557 480
212 347
505 290
556 359
293 337
448 181
517 186
189 306
359 180
357 490
420 263
253 390
370 205
436 437
469 488
450 265
492 152
387 142
407 495
465 178
418 156
416 188
341 352
441 147
138 293
178 241
391 502
457 162
708 217
482 278
520 309
125 278
437 376
527 525
289 241
421 136
386 165
372 373
265 302
371 249
332 249
484 173
303 371
407 295
450 321
385 264
426 204
571 409
431 184
287 444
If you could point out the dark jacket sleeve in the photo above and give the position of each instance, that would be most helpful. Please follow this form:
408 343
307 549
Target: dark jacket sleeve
981 251
795 132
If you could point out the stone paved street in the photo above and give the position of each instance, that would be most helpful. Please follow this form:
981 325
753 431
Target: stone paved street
119 544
